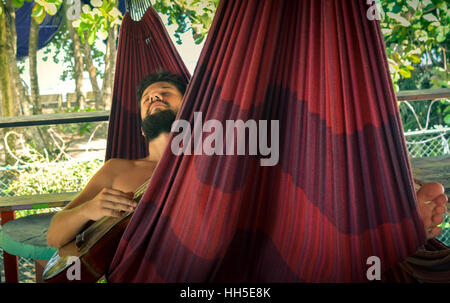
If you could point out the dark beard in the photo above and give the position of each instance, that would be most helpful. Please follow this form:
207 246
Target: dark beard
157 123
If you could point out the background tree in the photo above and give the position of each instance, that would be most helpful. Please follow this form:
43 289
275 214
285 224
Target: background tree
417 37
17 99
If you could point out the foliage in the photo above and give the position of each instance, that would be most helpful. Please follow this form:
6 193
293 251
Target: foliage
44 177
41 8
196 15
96 21
416 35
417 38
52 177
425 114
76 128
61 51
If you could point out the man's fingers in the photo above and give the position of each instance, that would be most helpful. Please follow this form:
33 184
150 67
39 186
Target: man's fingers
119 199
117 192
117 206
115 213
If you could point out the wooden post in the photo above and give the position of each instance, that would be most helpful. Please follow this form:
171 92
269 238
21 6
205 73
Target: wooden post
39 267
9 261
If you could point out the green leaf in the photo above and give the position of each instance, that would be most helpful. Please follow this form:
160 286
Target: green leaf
441 34
38 13
413 4
84 26
51 9
425 3
405 73
198 38
91 38
447 119
396 87
81 34
386 31
415 59
442 6
421 35
40 18
399 18
430 17
396 8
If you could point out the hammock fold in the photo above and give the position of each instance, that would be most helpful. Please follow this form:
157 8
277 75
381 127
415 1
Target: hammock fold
342 190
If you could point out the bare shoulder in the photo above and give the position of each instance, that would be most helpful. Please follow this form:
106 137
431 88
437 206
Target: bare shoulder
118 164
109 172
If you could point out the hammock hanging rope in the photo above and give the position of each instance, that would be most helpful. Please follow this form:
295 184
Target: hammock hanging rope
342 190
137 8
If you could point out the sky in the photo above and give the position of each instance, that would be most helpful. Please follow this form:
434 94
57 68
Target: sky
49 72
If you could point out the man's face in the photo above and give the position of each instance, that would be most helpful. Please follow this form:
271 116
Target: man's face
160 96
160 104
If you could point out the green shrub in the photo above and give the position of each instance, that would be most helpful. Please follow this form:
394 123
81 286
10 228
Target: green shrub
53 177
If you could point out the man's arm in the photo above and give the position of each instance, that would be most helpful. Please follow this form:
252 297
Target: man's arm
97 200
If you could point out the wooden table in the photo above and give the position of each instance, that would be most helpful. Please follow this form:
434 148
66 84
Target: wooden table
10 204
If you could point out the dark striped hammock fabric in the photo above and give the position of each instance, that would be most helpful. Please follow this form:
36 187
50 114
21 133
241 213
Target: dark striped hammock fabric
342 190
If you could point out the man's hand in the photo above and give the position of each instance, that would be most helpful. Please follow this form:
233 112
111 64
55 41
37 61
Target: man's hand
109 202
432 207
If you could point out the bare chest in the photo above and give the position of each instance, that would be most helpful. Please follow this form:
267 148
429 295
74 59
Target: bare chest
129 180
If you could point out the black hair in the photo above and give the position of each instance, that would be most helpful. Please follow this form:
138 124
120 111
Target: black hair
160 76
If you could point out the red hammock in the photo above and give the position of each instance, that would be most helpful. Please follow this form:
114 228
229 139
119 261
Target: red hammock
139 54
342 190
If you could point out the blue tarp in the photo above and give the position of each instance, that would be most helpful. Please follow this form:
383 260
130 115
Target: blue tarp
47 30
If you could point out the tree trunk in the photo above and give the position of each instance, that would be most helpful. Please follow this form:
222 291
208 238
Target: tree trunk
92 73
110 67
20 103
32 56
5 82
78 68
20 97
78 59
5 73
